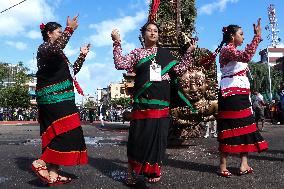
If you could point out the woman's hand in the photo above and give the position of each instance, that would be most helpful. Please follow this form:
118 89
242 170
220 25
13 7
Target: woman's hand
257 28
85 49
115 35
192 45
73 23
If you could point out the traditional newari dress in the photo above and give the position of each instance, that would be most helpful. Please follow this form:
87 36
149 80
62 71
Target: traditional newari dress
237 131
61 133
150 122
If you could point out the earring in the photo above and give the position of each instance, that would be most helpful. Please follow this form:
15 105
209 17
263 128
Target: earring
232 39
141 39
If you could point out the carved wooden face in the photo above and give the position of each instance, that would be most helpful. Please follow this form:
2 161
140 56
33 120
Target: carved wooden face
193 84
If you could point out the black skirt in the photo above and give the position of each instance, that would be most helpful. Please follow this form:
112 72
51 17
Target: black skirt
237 131
147 145
61 133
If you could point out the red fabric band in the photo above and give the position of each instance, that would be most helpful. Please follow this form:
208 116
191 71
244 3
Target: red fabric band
258 147
65 158
60 126
145 114
237 132
146 168
234 114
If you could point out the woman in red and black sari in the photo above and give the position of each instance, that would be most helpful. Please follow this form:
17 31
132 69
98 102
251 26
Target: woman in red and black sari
237 131
154 67
61 133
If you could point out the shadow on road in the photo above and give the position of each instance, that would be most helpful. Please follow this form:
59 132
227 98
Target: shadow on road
24 164
191 166
275 151
112 169
261 157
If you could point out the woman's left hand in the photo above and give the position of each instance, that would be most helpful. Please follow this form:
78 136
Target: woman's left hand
257 28
192 45
85 49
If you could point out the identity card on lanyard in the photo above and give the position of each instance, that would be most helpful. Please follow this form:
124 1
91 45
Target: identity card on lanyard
155 71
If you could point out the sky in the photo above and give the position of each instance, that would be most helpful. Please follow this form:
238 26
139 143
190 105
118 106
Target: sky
20 34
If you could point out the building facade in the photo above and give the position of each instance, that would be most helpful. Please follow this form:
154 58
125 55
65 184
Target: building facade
274 53
32 88
117 90
12 71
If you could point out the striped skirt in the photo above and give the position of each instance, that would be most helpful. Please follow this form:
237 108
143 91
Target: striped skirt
237 131
61 133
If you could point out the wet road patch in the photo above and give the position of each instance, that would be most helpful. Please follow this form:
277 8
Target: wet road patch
93 141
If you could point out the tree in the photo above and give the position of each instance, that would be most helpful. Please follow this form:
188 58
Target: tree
123 102
4 71
260 81
90 104
16 95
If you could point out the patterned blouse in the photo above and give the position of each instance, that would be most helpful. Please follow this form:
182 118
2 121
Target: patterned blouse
55 49
230 53
129 61
234 68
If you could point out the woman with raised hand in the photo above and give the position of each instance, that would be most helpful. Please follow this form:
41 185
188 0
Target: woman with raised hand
237 131
154 67
62 136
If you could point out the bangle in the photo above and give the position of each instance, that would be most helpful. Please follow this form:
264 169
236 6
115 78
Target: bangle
69 29
258 36
117 41
82 55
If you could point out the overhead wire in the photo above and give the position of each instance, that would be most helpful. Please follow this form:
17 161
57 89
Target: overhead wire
12 6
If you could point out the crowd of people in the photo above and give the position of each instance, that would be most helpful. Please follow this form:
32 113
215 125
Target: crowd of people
111 114
18 114
271 112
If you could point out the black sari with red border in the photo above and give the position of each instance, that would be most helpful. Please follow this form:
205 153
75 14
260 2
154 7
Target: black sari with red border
150 116
61 133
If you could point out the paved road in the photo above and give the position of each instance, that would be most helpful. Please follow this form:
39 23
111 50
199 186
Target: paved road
192 166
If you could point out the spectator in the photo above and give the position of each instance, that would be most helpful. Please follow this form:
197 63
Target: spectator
211 128
1 114
274 111
281 97
91 115
102 113
258 107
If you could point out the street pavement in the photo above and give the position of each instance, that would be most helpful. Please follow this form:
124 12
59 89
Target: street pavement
192 166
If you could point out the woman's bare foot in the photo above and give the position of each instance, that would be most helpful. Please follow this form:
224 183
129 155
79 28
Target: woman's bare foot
39 167
246 171
223 167
56 179
154 180
244 168
53 176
